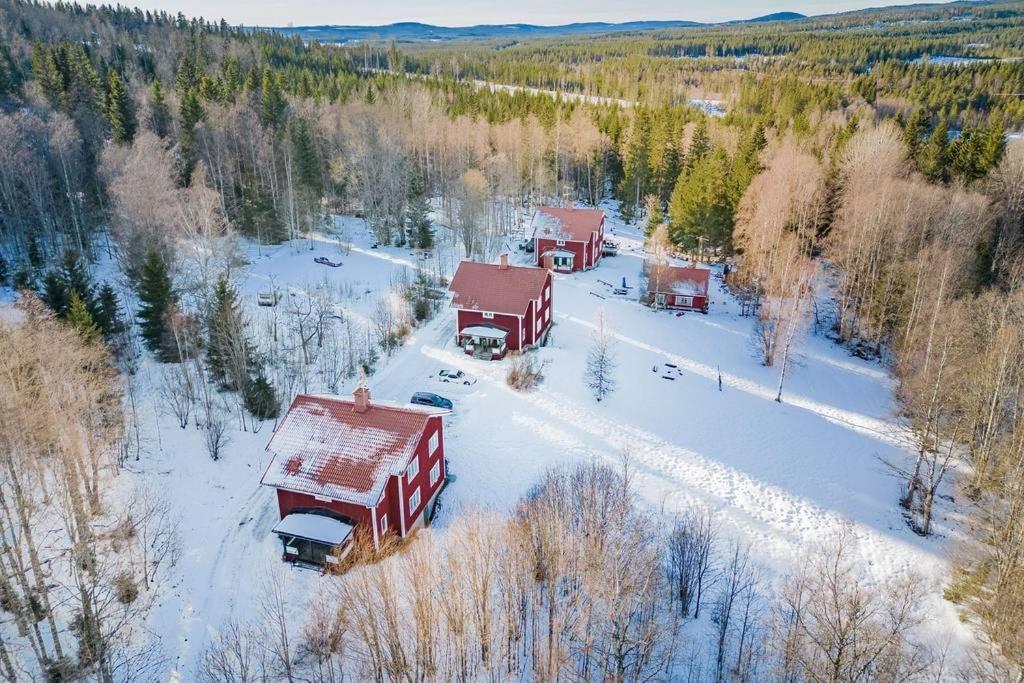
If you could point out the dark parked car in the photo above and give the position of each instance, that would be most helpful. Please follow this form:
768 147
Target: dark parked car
425 398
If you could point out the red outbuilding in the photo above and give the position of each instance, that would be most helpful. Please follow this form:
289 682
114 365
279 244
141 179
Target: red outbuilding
676 287
500 307
567 240
341 465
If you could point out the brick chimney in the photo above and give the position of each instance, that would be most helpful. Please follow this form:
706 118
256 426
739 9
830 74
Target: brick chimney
362 399
503 262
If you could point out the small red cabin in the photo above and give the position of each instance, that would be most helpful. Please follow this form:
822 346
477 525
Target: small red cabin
500 307
343 464
568 240
676 287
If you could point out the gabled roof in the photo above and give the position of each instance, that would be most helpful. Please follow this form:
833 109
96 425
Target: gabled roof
575 225
325 447
668 279
490 287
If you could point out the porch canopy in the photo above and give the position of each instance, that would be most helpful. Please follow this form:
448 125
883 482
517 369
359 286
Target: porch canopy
485 332
316 528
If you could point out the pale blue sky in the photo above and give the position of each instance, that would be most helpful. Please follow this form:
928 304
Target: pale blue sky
467 12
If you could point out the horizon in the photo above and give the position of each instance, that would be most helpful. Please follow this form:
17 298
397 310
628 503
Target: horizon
452 14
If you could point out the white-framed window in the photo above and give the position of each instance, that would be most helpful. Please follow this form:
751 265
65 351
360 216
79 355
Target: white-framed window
684 300
434 442
413 469
563 261
414 500
488 316
383 524
435 472
559 243
547 292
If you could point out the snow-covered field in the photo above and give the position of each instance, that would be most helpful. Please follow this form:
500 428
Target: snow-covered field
782 478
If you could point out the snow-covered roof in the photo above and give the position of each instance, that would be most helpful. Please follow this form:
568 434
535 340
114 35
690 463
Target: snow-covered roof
486 331
313 527
496 289
560 252
324 446
576 225
668 279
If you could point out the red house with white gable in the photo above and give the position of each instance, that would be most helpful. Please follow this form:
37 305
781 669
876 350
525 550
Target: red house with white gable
500 307
676 287
568 240
344 464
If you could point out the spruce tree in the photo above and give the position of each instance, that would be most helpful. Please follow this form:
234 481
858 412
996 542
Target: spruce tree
636 166
261 398
190 114
272 102
701 204
120 110
156 301
226 337
108 311
418 213
934 156
80 318
915 129
160 113
700 145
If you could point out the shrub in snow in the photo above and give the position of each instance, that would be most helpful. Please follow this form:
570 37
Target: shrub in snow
524 372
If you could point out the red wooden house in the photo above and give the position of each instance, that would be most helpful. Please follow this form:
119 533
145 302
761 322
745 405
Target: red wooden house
500 307
676 287
568 240
341 464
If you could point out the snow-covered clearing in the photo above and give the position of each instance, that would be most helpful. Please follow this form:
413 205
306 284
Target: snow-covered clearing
782 478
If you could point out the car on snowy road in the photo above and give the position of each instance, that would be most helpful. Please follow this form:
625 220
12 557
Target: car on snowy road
324 261
425 398
455 377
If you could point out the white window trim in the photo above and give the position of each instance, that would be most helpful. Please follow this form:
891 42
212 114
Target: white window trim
413 469
432 445
383 524
414 500
559 243
435 472
487 315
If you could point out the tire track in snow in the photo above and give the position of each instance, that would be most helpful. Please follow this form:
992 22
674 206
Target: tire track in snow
768 518
864 424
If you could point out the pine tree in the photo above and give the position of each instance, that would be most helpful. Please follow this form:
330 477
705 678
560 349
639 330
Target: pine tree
80 318
156 301
120 110
418 213
160 113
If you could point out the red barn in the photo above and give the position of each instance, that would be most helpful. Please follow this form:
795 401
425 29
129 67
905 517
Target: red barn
676 287
500 307
340 464
568 240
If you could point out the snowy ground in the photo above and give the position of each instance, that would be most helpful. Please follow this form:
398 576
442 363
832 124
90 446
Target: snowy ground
780 477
